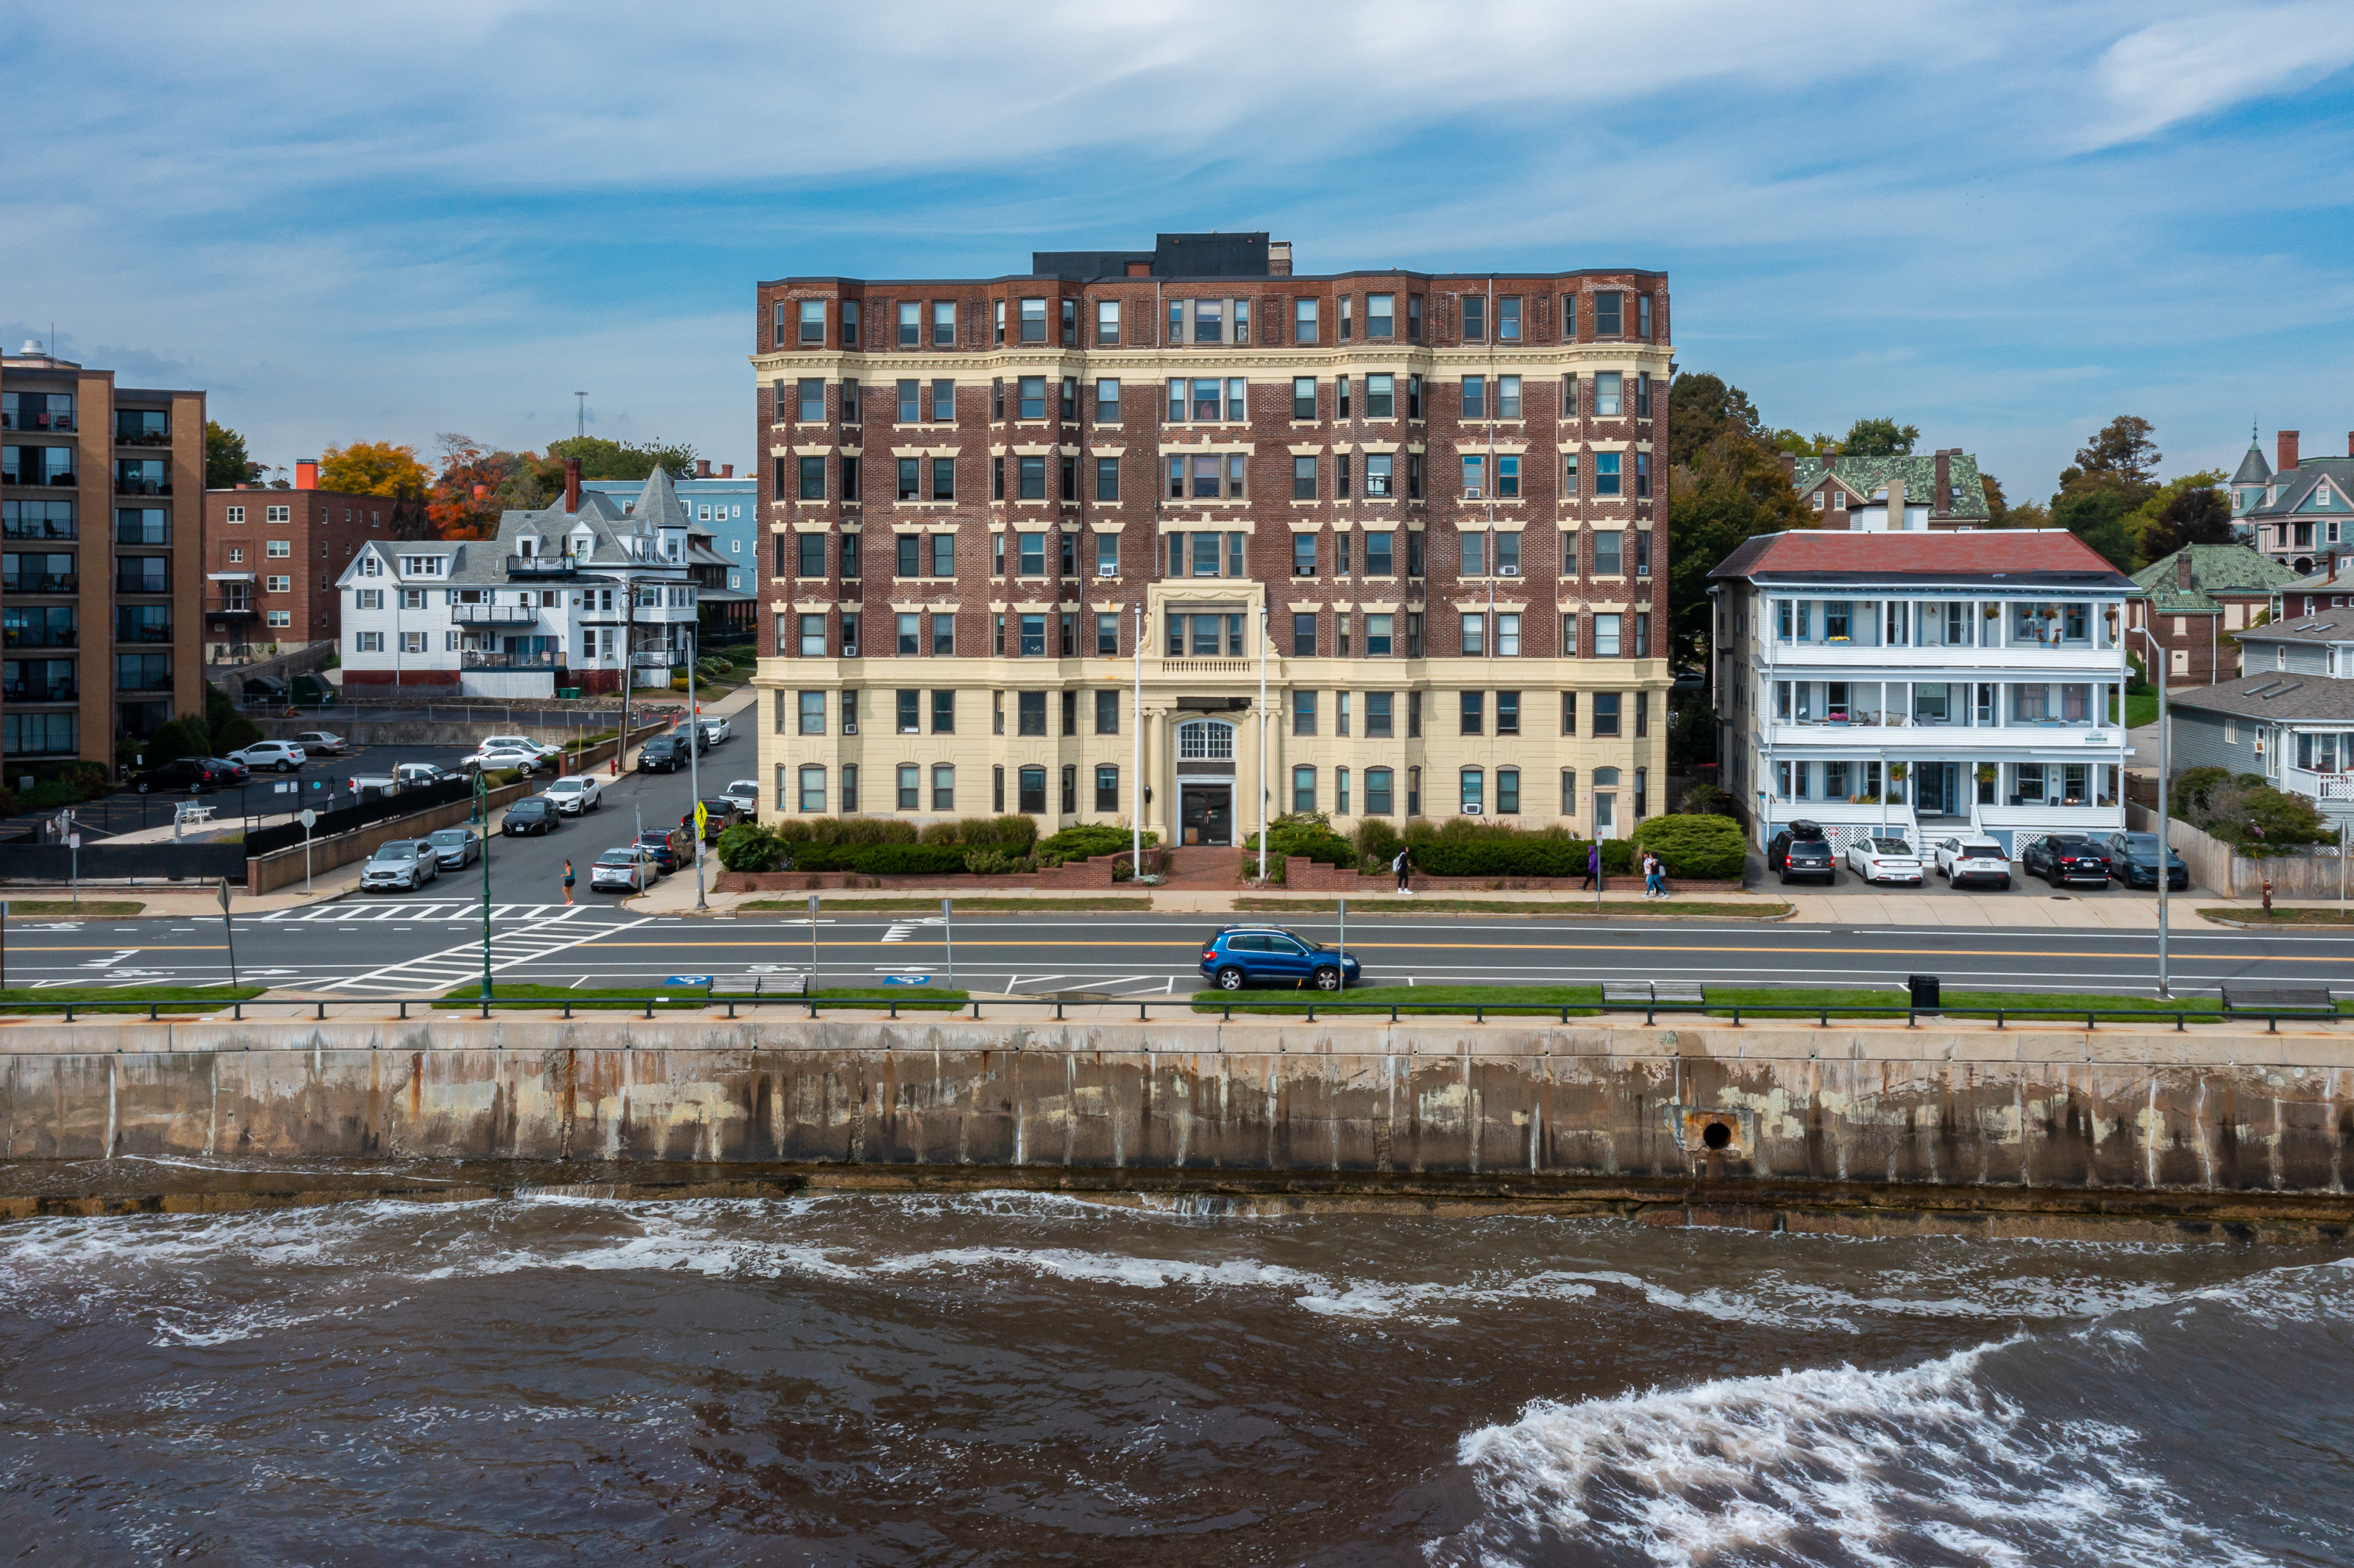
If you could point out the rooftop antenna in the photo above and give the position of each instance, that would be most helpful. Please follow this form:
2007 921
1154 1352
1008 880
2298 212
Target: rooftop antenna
580 422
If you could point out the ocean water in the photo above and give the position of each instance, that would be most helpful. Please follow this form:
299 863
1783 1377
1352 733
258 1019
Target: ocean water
1013 1378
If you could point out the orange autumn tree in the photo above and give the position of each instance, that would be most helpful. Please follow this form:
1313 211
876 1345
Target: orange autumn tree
373 468
477 484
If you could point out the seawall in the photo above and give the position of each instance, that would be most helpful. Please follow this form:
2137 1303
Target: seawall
2039 1130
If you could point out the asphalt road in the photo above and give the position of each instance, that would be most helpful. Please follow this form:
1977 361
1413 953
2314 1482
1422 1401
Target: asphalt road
415 945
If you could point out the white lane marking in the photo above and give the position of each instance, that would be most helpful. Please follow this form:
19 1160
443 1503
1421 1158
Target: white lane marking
898 933
108 963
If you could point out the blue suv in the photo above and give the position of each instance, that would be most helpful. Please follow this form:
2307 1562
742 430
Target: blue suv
1241 954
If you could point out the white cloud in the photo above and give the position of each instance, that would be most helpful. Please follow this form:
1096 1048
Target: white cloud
2190 66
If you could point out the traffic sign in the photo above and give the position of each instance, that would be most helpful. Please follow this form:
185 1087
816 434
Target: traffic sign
73 841
309 818
702 816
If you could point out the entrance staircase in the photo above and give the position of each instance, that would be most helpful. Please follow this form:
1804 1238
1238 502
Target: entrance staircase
1205 868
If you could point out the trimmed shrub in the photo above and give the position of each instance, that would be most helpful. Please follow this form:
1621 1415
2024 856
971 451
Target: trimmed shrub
1306 834
1377 842
235 733
1461 847
1087 840
748 846
995 863
907 859
1699 847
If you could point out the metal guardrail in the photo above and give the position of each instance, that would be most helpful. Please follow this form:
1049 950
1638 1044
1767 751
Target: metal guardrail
1397 1011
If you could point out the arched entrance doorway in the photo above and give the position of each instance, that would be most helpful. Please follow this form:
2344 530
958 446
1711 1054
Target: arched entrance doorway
1206 782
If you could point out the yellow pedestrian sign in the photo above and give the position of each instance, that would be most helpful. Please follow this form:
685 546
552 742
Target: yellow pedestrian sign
702 816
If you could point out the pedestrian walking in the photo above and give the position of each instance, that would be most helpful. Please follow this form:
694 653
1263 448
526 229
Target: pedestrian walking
568 882
1400 865
1655 875
1593 867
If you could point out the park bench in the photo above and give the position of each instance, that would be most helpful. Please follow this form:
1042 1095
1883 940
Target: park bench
1679 993
2239 997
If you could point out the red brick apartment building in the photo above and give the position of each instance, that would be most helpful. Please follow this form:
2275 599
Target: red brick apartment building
102 576
1440 497
271 558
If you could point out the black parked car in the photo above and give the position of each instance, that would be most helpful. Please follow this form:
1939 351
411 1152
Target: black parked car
2133 860
663 754
537 814
1801 849
194 774
2065 859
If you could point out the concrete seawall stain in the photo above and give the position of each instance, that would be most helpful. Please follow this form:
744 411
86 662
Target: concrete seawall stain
2032 1111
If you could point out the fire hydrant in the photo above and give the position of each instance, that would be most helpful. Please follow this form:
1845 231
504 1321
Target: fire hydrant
2268 898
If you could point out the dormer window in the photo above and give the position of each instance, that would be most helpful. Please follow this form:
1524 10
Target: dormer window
526 546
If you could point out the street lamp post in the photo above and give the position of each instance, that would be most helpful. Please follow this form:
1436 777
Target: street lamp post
693 775
2165 803
1262 744
1136 784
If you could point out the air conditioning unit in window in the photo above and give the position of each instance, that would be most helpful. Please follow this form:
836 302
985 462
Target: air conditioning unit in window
1471 493
850 649
1508 571
850 729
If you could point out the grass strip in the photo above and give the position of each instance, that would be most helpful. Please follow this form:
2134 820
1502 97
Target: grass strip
2280 916
109 999
911 999
964 906
1754 1002
65 906
1389 903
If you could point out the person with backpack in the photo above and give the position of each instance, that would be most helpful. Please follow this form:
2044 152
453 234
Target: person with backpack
1593 867
1400 865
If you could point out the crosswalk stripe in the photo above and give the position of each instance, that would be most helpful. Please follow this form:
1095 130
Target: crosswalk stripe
453 964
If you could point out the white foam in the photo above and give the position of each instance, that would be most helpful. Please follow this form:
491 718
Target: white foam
1878 1464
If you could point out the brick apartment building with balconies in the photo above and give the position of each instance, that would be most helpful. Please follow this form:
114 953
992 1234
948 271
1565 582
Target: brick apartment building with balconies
100 503
272 561
1431 507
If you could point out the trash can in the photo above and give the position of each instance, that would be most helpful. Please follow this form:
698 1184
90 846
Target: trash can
1924 989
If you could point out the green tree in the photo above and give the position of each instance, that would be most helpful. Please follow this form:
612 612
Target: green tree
1879 438
1997 509
2122 453
1733 490
601 459
1703 407
2096 515
226 464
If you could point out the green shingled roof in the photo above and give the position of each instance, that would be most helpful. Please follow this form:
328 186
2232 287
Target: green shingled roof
2228 568
1919 473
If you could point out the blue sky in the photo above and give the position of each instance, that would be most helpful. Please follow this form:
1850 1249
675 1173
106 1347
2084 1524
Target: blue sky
2001 222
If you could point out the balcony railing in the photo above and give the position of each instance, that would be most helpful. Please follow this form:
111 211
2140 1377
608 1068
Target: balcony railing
133 484
42 637
228 607
1209 666
541 566
142 438
40 528
62 478
126 582
493 614
142 632
654 659
37 422
43 692
41 582
473 661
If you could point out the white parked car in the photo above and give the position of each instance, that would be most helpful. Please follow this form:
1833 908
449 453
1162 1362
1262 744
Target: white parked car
628 869
1973 860
575 793
283 756
1884 860
745 793
520 743
321 743
715 731
497 760
401 865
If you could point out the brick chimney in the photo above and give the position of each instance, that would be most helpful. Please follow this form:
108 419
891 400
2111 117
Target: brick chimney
1942 504
728 469
703 468
2284 450
1789 464
571 484
1278 259
306 474
2182 569
1895 503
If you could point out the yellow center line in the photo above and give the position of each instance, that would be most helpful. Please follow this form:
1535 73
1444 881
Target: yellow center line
962 944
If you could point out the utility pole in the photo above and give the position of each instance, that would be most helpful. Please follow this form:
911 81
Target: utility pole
2164 802
1136 785
482 815
1262 743
580 424
694 758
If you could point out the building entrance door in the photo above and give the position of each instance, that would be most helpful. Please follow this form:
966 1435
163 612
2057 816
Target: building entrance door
1206 814
1940 790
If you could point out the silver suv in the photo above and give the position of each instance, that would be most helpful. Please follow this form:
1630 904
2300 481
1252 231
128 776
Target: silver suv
400 866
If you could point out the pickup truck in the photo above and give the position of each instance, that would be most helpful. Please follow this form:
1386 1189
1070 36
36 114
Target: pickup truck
406 775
